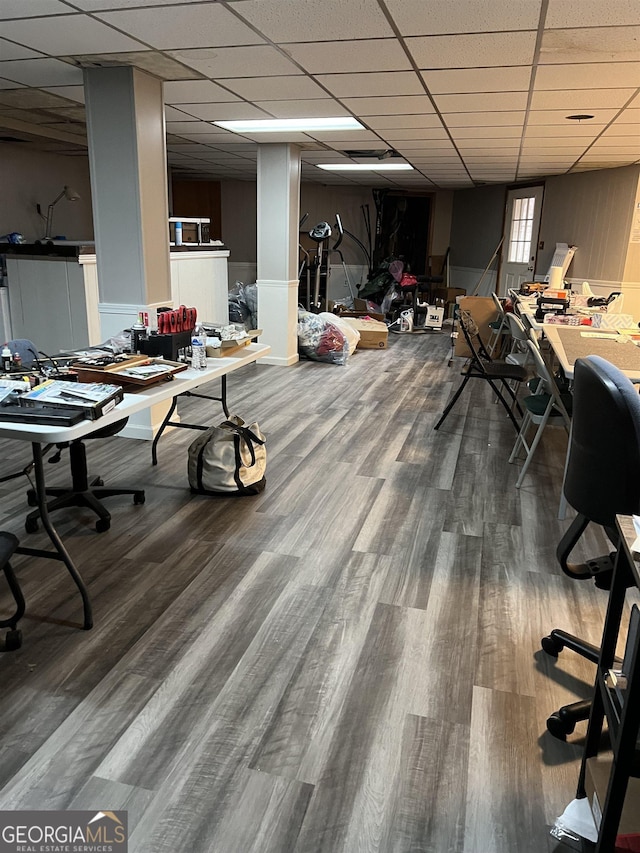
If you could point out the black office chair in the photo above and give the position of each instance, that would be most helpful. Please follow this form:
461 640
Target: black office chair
27 351
602 480
480 365
13 637
82 492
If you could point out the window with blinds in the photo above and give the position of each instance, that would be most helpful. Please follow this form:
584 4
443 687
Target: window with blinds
521 230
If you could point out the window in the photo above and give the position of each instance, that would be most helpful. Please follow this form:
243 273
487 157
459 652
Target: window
521 228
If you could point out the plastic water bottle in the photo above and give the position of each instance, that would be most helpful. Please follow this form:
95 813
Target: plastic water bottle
178 233
198 351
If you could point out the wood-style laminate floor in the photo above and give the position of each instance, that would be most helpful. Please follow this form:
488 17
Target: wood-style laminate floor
347 663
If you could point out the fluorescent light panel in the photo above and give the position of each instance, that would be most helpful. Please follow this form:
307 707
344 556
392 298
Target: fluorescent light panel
365 167
282 125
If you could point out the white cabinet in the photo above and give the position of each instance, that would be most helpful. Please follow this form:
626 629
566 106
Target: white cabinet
199 280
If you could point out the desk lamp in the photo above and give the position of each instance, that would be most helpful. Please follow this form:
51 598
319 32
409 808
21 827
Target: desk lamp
71 195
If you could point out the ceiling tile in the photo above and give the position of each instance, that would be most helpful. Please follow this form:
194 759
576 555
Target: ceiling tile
224 111
409 104
9 50
400 135
67 35
284 21
481 134
424 17
205 25
275 88
350 56
619 128
559 117
316 108
479 151
153 61
601 44
74 93
629 116
33 8
463 80
585 75
195 126
344 139
403 121
608 150
466 144
490 102
486 119
571 129
41 72
194 92
235 61
103 5
592 13
375 84
472 50
581 100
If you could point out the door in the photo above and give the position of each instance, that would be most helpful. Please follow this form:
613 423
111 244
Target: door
521 228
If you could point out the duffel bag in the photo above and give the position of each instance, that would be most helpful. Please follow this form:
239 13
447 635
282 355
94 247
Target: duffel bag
229 459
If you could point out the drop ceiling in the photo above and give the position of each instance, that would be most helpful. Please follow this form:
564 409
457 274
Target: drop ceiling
469 92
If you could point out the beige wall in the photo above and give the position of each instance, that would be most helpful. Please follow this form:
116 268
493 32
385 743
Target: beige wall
590 210
29 177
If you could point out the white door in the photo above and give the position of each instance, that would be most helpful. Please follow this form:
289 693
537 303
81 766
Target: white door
520 244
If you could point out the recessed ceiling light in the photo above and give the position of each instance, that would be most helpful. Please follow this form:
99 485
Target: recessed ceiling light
282 125
579 117
385 166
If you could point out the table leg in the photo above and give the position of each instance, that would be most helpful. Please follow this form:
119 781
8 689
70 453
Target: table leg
168 422
60 552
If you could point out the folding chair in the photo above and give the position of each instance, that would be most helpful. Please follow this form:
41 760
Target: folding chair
546 406
480 365
499 327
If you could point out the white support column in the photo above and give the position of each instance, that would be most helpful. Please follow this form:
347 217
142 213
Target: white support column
128 164
278 218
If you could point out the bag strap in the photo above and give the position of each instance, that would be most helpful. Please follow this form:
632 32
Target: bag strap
245 432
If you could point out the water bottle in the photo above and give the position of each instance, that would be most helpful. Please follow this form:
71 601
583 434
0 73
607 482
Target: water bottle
198 350
178 233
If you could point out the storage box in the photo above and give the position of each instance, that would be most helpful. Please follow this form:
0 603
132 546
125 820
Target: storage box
373 333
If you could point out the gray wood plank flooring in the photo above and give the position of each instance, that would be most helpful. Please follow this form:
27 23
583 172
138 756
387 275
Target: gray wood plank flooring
346 663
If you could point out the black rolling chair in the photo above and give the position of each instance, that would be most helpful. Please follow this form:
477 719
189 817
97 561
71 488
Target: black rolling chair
82 492
480 365
602 480
13 637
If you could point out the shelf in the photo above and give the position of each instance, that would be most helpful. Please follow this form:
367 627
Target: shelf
596 781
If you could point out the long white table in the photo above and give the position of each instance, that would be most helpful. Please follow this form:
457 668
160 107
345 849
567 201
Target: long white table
572 342
44 434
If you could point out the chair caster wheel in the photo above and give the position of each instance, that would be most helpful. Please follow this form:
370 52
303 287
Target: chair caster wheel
103 524
31 498
139 498
12 640
31 525
558 727
551 646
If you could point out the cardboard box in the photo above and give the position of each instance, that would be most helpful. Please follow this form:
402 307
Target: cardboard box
595 783
373 333
483 311
232 347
